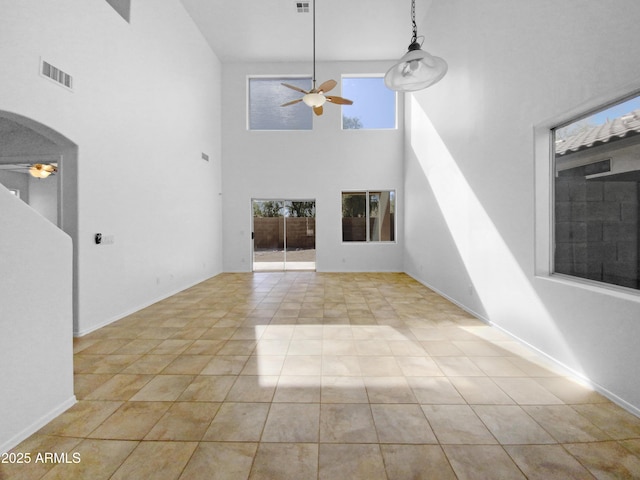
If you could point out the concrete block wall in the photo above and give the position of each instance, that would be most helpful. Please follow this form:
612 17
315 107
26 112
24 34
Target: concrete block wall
269 233
597 230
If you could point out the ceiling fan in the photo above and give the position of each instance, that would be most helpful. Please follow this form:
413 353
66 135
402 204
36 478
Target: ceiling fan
38 170
316 98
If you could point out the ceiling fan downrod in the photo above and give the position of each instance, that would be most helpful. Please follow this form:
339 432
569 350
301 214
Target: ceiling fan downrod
316 98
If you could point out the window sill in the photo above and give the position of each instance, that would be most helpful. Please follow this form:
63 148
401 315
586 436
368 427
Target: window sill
601 288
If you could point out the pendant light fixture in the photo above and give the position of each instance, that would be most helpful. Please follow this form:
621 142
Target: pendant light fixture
417 69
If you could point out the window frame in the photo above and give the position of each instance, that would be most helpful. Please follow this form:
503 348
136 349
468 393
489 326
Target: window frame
367 75
545 201
367 194
282 78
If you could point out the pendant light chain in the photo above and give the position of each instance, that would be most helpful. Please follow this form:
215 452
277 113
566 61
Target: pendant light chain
413 21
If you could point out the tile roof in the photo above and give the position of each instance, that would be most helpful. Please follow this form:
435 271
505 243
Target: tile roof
626 125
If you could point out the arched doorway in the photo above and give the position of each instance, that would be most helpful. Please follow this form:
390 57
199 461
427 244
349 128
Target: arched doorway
25 142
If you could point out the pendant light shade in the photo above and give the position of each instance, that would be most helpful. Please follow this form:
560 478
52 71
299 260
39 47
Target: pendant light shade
417 69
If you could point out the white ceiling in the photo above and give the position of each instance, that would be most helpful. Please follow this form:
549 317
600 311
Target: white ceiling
273 30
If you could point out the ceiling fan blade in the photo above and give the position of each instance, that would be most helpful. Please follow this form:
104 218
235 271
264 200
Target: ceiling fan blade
326 86
292 102
339 100
297 89
318 110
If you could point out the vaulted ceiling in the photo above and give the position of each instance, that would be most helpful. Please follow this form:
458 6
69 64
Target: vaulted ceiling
274 31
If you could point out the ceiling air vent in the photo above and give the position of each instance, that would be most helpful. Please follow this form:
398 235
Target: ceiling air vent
302 7
57 75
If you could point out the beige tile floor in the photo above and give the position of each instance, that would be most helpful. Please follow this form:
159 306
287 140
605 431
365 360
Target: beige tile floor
303 375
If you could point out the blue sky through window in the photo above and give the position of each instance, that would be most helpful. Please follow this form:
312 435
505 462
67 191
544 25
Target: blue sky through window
599 118
373 103
615 111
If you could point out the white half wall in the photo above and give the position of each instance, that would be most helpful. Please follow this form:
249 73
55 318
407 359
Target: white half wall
471 163
144 107
36 320
317 164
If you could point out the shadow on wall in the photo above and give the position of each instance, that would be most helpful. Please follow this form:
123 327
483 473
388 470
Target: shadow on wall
508 297
430 253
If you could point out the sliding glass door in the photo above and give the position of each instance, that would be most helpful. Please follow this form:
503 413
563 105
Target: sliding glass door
284 235
300 235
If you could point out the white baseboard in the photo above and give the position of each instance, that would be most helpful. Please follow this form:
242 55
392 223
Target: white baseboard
452 300
93 328
37 425
575 374
570 372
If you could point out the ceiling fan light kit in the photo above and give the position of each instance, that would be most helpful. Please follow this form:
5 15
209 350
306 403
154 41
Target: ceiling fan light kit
416 69
316 98
40 170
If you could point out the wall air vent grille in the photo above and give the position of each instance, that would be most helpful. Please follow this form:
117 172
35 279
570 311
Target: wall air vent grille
56 75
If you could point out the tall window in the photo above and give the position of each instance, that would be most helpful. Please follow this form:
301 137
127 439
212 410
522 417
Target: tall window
267 94
374 105
368 216
596 196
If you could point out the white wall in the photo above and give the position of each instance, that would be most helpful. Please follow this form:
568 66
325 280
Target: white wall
316 164
145 105
40 193
36 320
470 167
16 181
43 197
